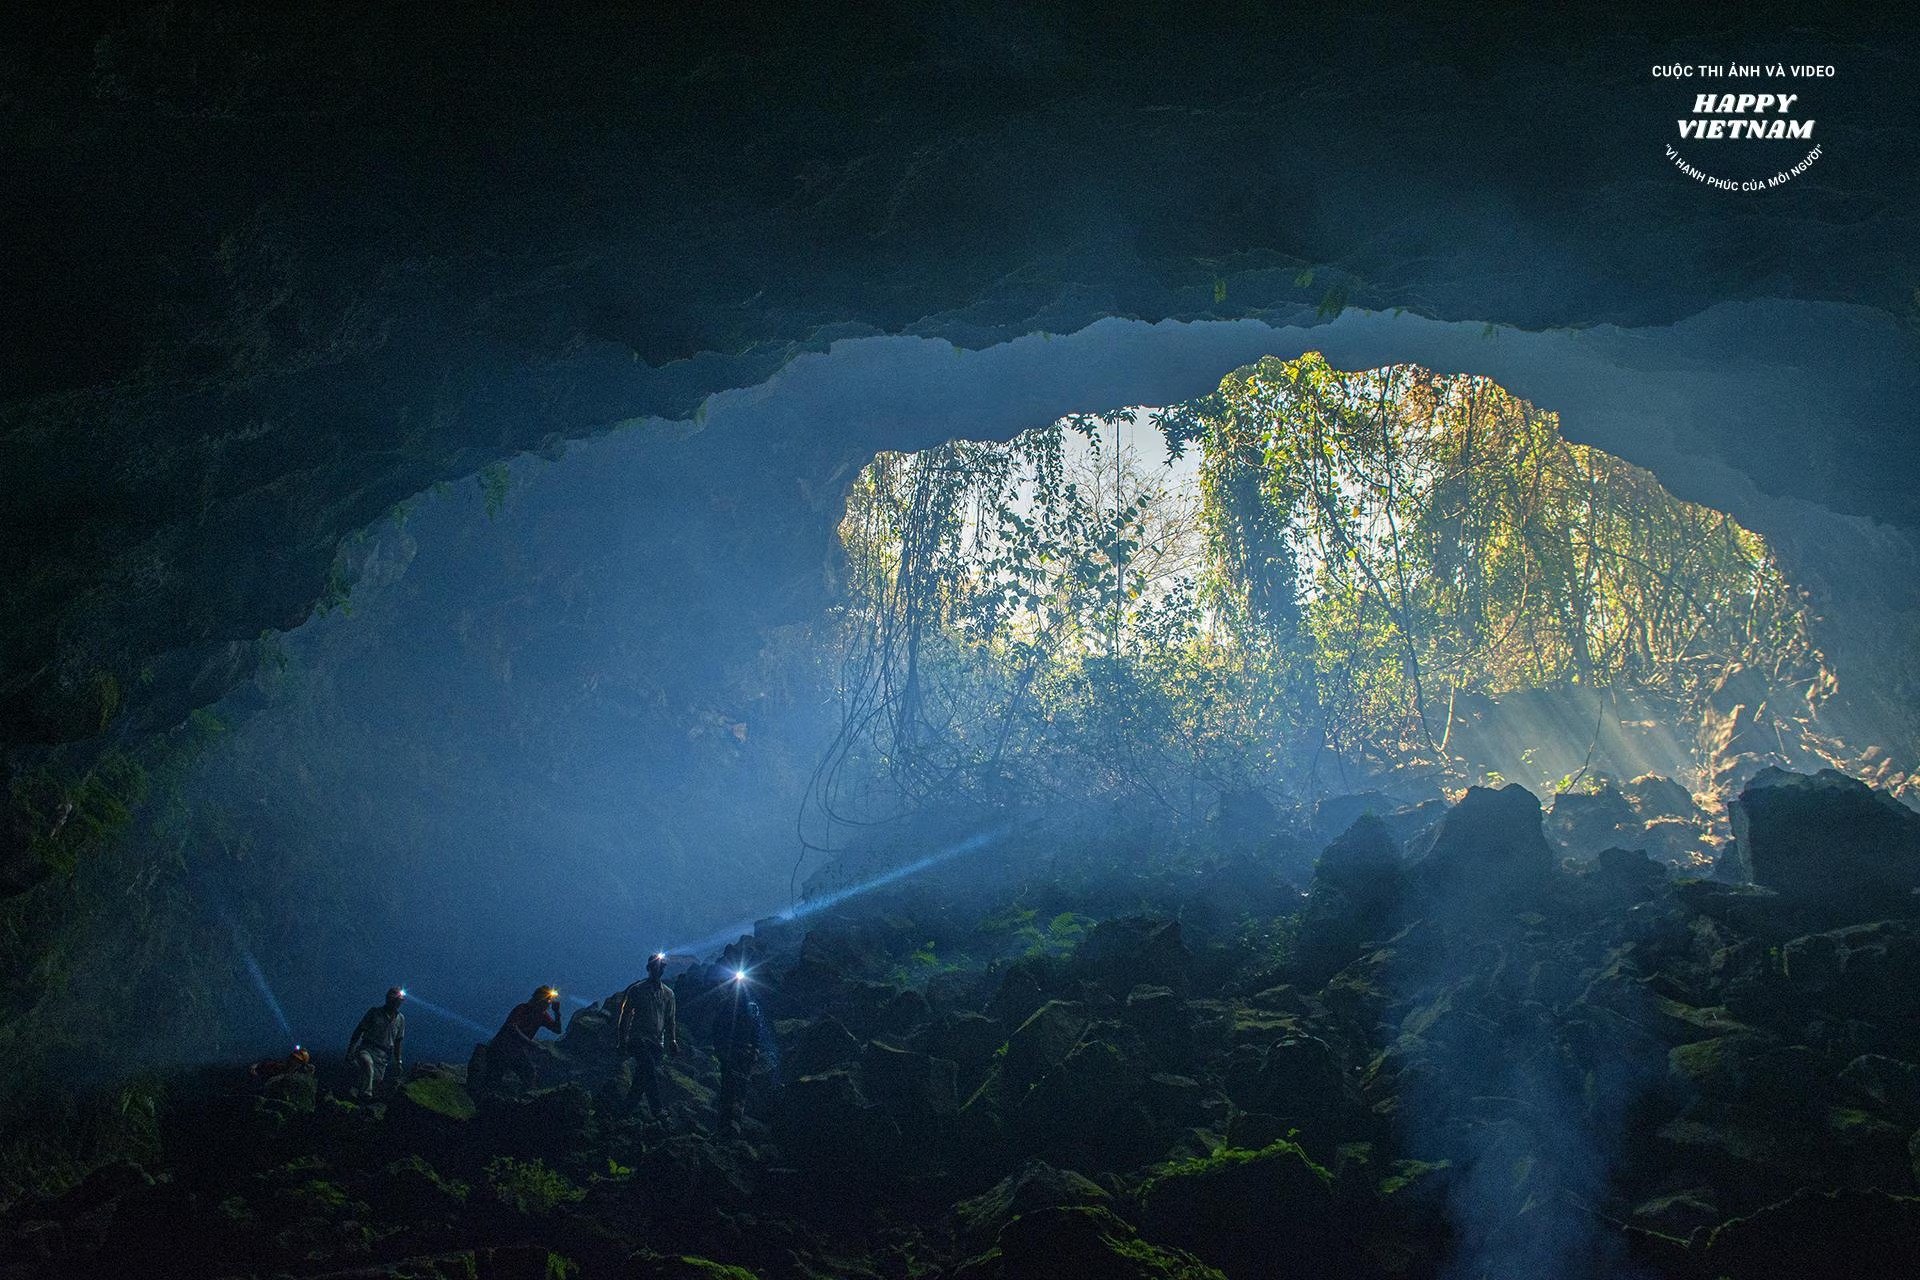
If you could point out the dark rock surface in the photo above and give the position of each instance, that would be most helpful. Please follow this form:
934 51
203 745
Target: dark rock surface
1827 839
1589 1070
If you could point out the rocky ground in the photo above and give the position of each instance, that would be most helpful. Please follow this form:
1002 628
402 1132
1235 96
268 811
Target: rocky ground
1463 1052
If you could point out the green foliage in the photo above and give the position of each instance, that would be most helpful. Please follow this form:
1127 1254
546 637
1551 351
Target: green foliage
529 1186
1400 536
1022 929
1025 621
1063 933
1268 940
920 964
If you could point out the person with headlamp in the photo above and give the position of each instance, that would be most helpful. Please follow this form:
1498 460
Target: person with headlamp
649 1031
512 1047
377 1049
736 1039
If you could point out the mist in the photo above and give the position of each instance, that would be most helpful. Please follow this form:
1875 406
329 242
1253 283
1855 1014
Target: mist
530 743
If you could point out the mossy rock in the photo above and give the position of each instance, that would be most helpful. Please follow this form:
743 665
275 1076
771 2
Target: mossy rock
439 1096
1080 1240
295 1090
414 1191
1038 1186
530 1187
1239 1208
553 1123
464 1265
657 1266
1850 1233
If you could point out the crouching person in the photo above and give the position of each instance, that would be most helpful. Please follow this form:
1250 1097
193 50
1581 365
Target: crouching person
512 1048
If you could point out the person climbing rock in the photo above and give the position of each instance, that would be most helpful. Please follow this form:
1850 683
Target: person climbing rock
736 1039
299 1062
378 1047
649 1030
512 1047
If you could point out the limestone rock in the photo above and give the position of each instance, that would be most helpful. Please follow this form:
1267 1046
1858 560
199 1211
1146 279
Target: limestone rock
1487 853
1827 839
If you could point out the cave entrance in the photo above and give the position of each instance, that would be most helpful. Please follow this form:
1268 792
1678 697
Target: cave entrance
1307 584
568 714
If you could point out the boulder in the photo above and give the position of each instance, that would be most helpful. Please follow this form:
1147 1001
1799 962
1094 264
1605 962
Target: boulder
592 1033
1654 797
1355 898
1043 1041
547 1123
1889 1083
1857 1234
1828 840
1251 1213
911 1086
1024 987
1583 823
1488 853
1336 814
1120 955
434 1107
1618 878
817 1046
828 1119
1299 1077
1103 1073
648 1265
1162 1019
968 1040
413 1191
1245 818
1037 1186
1869 972
1079 1240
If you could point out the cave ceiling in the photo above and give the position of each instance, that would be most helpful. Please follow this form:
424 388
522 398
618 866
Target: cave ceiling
270 273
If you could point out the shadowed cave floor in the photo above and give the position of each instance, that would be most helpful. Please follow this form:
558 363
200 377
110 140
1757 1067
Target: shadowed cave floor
1458 1054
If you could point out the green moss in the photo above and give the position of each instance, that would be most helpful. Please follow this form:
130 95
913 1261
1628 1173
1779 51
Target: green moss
323 1194
529 1186
1223 1159
418 1181
1149 1261
457 1266
1407 1172
654 1266
442 1095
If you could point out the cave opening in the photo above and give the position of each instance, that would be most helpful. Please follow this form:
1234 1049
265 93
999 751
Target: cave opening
1311 584
568 713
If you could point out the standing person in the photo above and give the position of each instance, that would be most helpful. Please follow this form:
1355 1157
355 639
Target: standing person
736 1039
512 1046
378 1047
649 1030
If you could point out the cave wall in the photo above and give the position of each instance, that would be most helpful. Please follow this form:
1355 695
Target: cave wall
273 272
